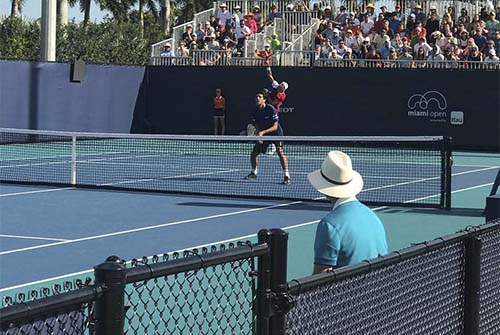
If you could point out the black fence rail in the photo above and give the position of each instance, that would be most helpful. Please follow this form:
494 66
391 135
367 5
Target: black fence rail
446 286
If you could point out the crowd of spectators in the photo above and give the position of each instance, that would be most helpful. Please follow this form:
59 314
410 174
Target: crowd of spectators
225 33
420 36
372 34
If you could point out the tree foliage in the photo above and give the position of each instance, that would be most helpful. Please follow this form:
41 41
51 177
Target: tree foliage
109 42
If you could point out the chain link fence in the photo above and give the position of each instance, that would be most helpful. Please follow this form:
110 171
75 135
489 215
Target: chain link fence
212 300
420 295
446 286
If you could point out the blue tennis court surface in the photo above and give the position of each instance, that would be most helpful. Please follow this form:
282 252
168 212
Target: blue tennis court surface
47 232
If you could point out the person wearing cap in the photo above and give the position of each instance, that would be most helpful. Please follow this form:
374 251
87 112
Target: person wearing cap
342 16
412 22
351 232
167 52
474 55
237 14
419 14
491 57
257 15
251 23
275 44
328 14
265 118
224 16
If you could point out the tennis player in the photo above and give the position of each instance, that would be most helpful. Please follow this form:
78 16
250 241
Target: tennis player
351 232
277 94
266 120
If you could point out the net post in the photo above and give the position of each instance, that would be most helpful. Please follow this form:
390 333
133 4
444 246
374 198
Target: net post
472 303
73 160
110 308
262 308
280 304
447 163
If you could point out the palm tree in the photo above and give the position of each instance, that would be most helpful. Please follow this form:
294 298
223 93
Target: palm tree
165 16
151 5
119 8
16 7
62 12
85 8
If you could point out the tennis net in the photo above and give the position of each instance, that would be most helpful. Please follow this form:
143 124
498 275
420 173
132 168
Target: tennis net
396 170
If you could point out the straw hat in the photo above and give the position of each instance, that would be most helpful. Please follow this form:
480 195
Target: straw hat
336 178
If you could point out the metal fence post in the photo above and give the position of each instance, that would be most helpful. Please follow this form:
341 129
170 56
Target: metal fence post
263 308
280 304
472 288
110 308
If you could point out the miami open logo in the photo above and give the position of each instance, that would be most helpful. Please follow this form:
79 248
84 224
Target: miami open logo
431 104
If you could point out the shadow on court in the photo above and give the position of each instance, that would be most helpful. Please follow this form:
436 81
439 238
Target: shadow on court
465 212
299 206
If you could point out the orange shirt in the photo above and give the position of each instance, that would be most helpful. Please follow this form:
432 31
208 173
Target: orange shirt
219 102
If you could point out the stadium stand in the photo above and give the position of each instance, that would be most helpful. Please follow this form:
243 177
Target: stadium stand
426 34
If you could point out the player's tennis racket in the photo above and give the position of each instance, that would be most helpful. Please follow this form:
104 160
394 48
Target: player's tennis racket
252 130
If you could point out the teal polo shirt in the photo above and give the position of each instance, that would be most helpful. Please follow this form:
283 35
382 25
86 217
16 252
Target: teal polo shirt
349 234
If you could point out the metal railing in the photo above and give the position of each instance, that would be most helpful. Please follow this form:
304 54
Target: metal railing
312 59
179 30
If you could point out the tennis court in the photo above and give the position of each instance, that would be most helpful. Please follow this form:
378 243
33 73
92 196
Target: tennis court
49 233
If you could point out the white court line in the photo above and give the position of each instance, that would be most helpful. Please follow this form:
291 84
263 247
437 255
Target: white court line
211 243
168 224
34 238
199 246
37 191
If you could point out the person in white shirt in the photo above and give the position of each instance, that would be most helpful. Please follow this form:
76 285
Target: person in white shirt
367 25
422 44
223 15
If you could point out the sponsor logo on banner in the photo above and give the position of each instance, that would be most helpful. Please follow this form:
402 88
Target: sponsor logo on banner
431 105
457 118
286 110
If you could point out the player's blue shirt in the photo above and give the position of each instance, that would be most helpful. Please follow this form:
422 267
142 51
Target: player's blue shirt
348 235
266 117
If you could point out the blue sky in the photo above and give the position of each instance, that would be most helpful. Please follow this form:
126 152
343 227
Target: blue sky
33 8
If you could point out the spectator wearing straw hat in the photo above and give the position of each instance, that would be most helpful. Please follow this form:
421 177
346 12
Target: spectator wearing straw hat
419 14
370 11
351 232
